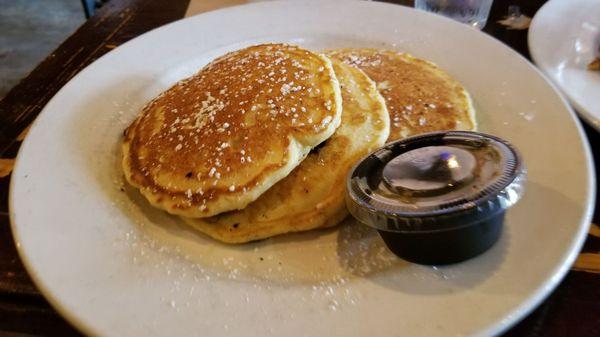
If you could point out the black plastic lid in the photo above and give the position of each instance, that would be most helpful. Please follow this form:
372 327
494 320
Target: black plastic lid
435 181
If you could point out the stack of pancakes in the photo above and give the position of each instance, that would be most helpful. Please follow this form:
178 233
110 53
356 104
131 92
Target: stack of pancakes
259 142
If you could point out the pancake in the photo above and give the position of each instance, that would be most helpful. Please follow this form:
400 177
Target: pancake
312 196
216 141
420 96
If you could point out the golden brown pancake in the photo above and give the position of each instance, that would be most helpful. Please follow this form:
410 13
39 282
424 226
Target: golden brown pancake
312 196
420 96
216 141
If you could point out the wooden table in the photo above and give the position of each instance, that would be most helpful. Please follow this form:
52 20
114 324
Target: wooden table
573 309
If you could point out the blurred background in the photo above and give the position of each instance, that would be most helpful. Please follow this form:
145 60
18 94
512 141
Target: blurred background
29 31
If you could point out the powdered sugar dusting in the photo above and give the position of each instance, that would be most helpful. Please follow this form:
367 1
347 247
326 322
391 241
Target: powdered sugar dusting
419 96
245 100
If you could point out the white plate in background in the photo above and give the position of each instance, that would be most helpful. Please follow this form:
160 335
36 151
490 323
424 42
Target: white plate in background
564 37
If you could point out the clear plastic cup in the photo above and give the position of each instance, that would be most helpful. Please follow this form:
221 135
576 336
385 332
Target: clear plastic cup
472 12
437 198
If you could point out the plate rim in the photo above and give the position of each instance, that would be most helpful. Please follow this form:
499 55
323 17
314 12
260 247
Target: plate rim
516 314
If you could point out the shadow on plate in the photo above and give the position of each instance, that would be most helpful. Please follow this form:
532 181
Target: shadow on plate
536 219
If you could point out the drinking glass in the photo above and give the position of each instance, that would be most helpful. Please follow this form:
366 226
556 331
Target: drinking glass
471 12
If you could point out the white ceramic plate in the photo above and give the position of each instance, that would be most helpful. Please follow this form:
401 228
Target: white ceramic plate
564 37
116 267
